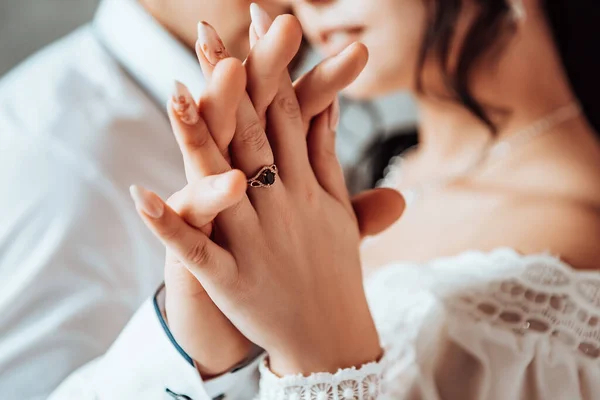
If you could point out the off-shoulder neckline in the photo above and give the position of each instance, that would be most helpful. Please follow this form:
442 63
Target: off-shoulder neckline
500 256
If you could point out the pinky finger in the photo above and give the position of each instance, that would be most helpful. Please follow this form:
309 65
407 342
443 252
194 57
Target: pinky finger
208 262
323 158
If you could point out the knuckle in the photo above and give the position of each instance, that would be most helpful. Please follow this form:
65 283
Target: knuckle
289 106
308 193
197 138
171 235
254 137
311 197
199 254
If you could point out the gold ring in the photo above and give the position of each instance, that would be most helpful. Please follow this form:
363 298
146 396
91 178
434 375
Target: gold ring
264 178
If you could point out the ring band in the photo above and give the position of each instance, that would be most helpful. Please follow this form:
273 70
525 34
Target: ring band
264 178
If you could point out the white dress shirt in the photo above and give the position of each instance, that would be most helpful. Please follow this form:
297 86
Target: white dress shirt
79 123
145 363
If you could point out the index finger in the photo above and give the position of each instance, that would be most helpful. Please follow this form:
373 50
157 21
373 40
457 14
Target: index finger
201 155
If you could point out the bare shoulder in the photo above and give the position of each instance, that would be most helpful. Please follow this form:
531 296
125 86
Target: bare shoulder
567 227
575 233
560 209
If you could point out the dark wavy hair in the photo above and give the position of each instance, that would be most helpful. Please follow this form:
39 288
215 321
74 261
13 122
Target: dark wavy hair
575 24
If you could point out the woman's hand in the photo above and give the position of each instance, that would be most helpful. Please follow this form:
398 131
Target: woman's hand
286 271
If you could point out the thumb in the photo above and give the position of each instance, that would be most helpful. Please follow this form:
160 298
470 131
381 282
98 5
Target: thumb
377 209
207 261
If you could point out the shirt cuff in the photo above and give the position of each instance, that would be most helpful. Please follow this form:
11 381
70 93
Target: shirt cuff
143 364
216 388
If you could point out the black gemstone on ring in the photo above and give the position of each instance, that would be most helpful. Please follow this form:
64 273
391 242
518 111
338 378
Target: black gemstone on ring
268 177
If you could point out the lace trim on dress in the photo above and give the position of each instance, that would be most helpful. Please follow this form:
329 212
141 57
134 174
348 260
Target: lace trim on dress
547 298
346 384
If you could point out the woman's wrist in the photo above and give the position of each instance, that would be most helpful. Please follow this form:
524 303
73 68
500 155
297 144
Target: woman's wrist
351 345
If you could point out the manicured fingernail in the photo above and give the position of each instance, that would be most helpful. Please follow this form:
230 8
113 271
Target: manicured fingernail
147 202
211 44
253 36
334 115
184 104
261 20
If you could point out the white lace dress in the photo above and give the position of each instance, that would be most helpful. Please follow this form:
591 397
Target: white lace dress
477 326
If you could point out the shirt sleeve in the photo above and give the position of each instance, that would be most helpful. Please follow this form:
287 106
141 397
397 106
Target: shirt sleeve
145 362
75 265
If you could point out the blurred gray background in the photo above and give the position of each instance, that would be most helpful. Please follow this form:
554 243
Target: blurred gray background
27 25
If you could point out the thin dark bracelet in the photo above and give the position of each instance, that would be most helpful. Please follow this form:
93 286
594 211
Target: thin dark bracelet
160 292
257 351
